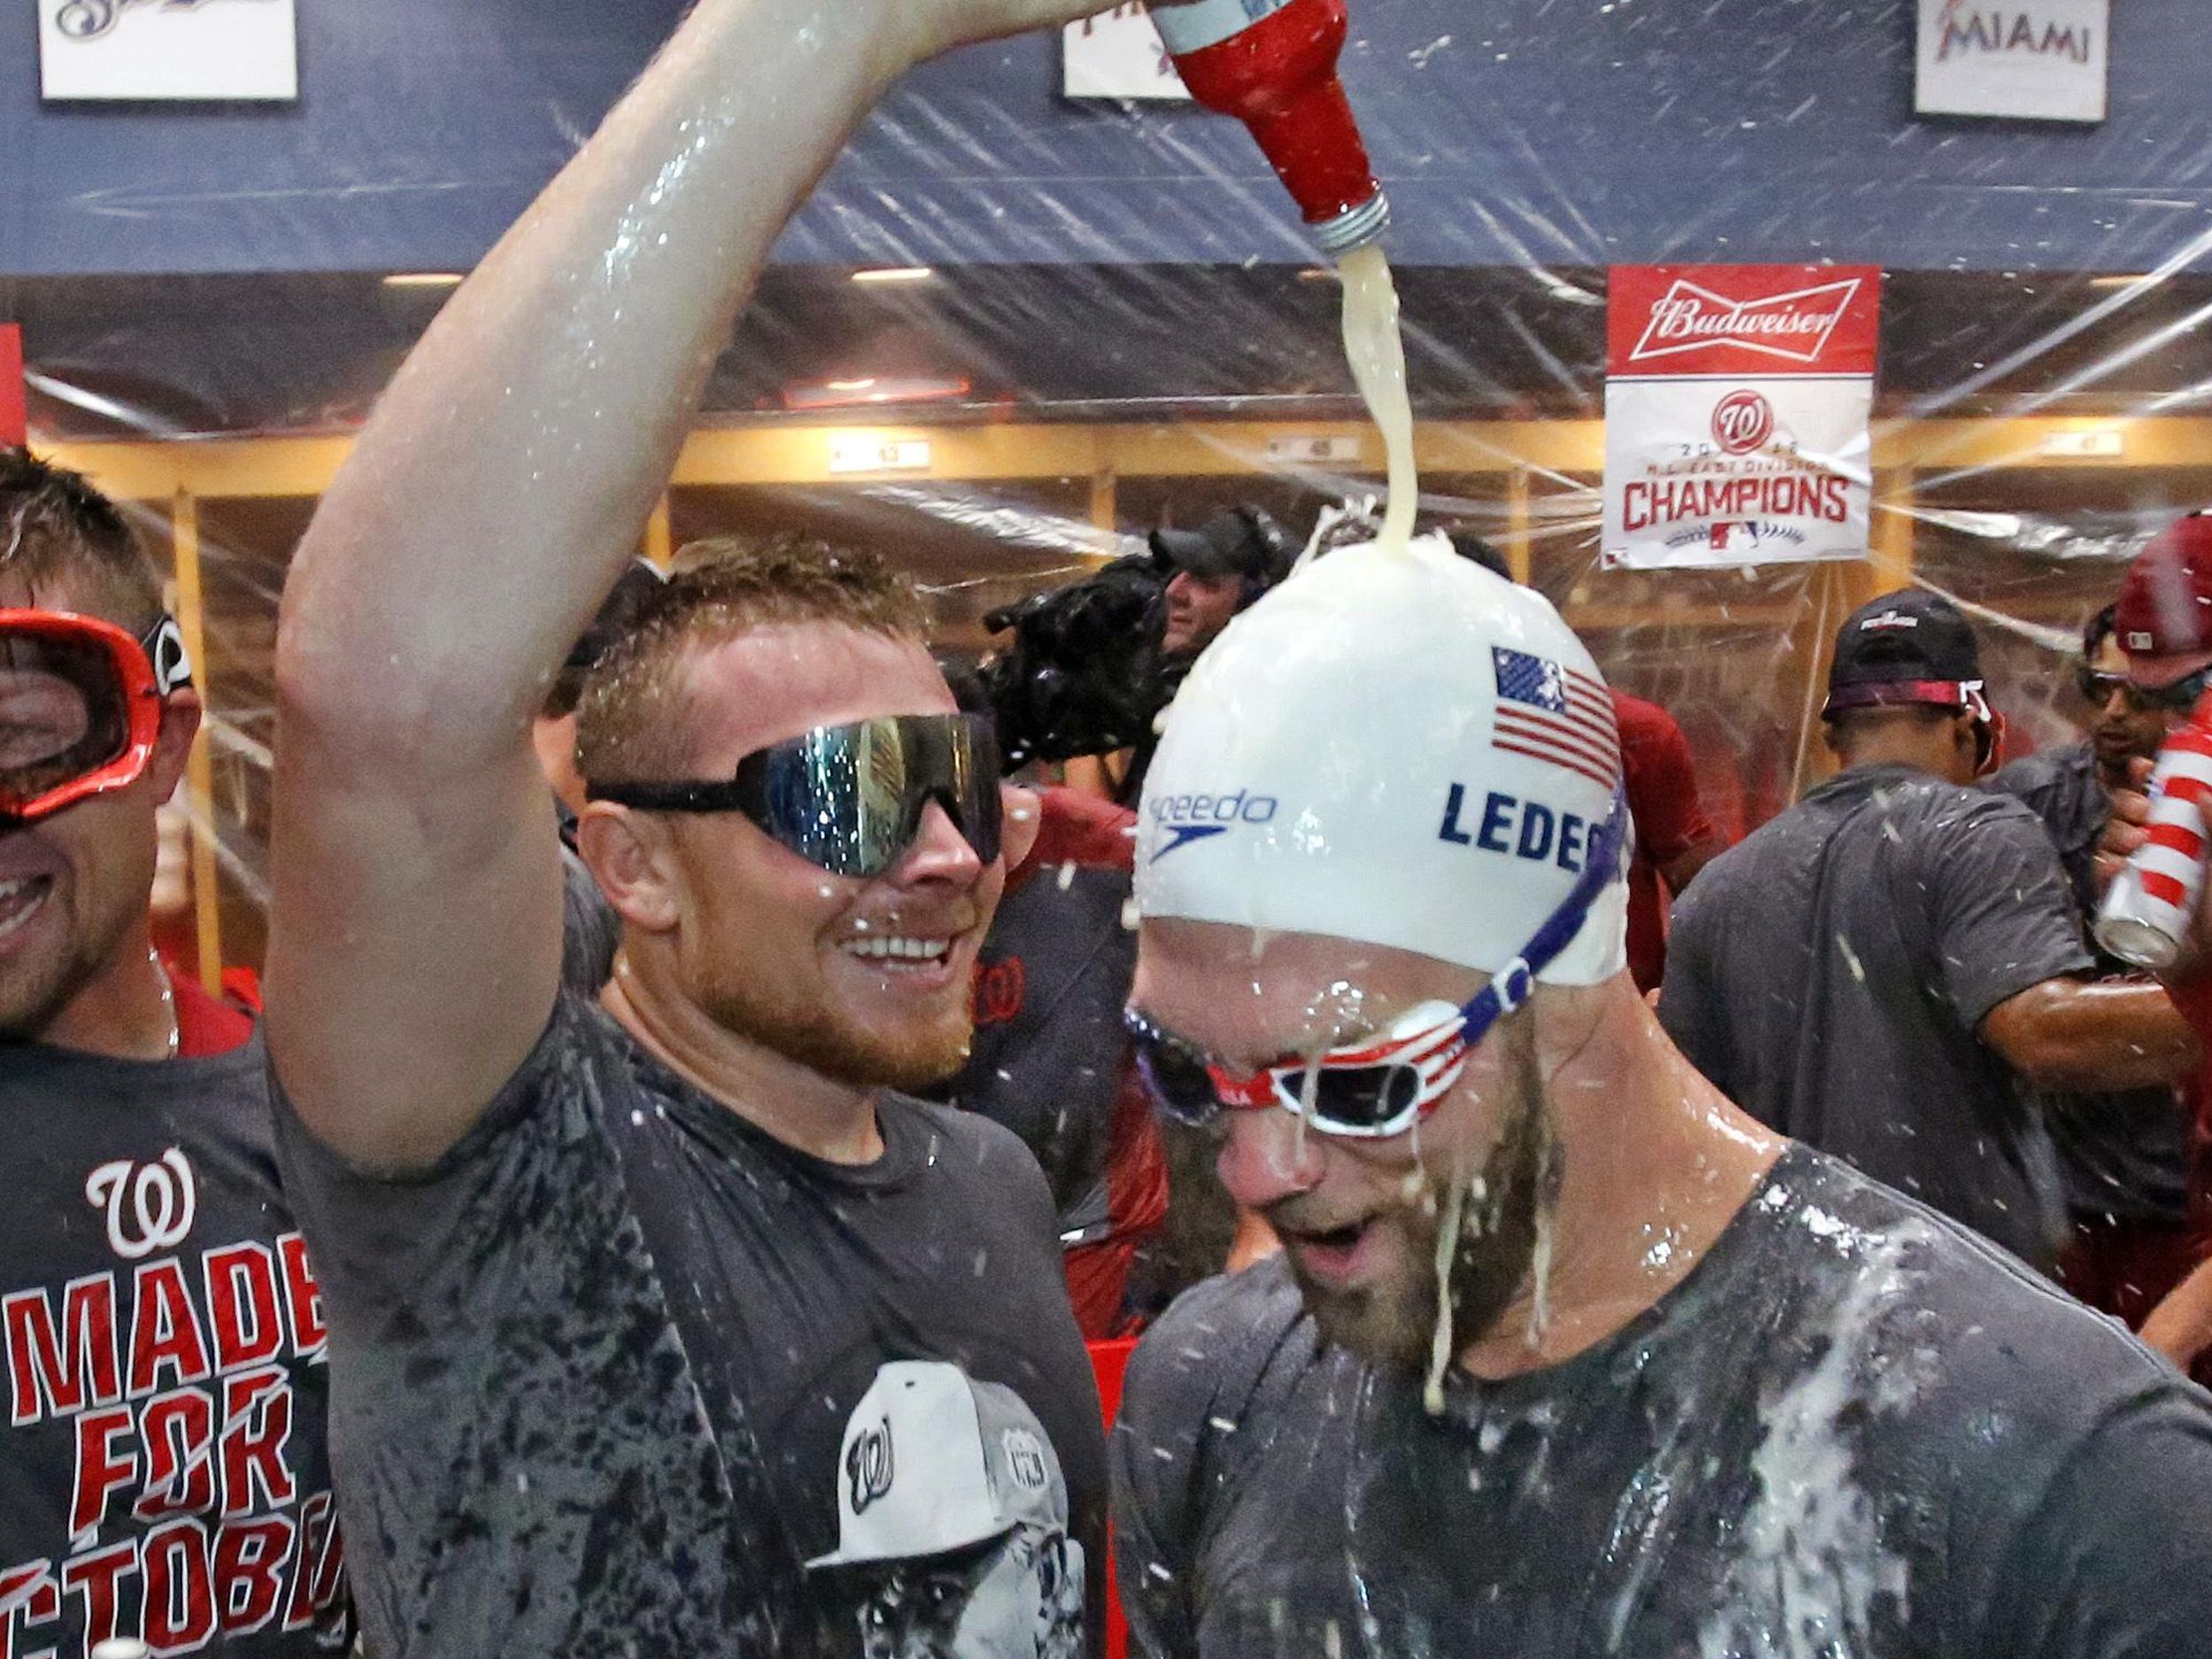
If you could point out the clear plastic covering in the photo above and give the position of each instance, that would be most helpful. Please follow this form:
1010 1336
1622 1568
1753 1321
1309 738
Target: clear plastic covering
1013 331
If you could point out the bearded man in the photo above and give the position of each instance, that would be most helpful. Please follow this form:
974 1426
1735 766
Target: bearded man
611 1274
1565 1354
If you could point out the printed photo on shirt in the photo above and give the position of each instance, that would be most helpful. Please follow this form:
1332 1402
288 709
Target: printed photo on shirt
952 1523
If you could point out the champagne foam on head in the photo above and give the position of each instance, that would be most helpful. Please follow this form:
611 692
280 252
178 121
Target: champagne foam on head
1376 350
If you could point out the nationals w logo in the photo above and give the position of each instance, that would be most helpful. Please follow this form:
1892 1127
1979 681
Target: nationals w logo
868 1468
149 1206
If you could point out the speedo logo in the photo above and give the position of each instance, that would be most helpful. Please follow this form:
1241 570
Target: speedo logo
1185 819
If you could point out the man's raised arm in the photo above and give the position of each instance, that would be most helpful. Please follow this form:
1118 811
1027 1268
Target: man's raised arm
489 504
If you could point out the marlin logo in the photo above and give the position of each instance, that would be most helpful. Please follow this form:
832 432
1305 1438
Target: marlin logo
1187 819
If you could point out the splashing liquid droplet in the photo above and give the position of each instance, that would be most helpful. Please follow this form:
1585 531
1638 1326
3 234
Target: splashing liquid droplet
1440 1344
1376 351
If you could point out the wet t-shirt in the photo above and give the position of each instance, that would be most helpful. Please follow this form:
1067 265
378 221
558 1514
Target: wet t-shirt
1830 974
2122 1155
1050 981
615 1370
163 1474
1854 1429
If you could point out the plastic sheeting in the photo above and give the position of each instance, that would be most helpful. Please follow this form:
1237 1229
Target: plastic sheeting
1114 324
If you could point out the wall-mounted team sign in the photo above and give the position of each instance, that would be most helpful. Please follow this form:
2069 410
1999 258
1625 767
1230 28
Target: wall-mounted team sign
1737 399
2043 59
1117 54
14 422
215 49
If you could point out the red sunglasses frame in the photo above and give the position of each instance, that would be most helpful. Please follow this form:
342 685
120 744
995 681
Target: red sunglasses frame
145 689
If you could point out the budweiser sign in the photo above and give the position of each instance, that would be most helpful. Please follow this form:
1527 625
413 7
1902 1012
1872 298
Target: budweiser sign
1742 320
1793 326
1736 413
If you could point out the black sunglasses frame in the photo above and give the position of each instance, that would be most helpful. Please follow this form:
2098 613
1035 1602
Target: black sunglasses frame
2097 686
961 777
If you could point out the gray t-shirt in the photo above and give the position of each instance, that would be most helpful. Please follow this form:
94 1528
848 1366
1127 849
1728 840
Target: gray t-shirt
2122 1156
623 1375
1831 972
164 1471
1854 1429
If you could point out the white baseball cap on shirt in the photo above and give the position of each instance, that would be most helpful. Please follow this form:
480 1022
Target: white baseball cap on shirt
1394 748
933 1461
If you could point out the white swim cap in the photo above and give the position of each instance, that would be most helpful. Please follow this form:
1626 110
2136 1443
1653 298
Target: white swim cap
1398 748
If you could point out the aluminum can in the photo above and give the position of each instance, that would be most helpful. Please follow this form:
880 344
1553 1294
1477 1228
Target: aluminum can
2146 913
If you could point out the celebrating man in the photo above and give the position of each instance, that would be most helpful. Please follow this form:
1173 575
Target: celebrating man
1566 1354
607 1281
163 1474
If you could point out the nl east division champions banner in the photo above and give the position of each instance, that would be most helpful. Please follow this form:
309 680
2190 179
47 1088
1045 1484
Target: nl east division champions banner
14 421
1736 406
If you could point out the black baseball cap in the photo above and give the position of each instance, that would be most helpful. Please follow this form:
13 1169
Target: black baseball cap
618 614
1903 649
1242 542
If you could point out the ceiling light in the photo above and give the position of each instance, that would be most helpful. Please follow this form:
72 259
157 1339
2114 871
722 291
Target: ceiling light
897 273
2117 282
424 279
882 388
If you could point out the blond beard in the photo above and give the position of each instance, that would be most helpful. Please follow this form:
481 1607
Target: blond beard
926 1052
1394 1325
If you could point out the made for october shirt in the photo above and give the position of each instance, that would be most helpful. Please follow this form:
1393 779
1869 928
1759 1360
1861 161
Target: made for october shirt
1853 1429
599 1375
1831 973
163 1475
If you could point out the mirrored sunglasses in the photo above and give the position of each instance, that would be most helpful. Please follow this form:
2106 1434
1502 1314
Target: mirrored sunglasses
849 799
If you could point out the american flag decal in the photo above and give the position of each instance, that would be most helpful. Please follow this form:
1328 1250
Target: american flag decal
1548 711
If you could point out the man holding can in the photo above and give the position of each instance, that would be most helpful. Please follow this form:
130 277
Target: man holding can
1881 970
2164 621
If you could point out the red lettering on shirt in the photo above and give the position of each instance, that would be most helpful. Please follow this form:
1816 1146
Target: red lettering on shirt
256 1427
29 1595
177 1409
303 1299
242 1305
164 1329
97 1577
250 1557
107 1462
179 1588
178 1431
59 1368
317 1566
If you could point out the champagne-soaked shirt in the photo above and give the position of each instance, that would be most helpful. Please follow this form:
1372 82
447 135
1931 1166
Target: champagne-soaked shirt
1830 974
623 1375
1854 1429
162 1468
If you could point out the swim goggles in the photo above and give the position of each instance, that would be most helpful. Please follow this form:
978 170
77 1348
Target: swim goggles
80 706
1384 1083
849 799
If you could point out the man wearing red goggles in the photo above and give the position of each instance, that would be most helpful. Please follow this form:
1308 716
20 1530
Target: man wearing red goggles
162 1315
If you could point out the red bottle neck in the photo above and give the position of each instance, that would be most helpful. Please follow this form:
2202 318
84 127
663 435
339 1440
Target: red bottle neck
1279 77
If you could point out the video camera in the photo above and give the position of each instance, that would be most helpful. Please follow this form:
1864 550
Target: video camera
1083 674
